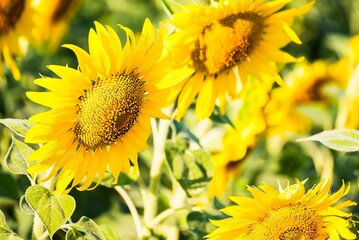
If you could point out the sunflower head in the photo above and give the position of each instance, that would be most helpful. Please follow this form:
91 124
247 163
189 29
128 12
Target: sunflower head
225 43
100 113
55 19
10 13
316 85
17 29
238 139
291 214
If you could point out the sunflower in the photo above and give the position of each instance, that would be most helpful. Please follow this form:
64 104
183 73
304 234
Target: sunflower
240 138
315 85
347 113
55 15
226 42
17 28
287 214
100 113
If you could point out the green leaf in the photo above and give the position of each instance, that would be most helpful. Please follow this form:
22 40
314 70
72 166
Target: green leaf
193 169
18 126
343 140
5 231
123 179
73 234
85 228
354 225
109 233
197 222
16 157
24 206
53 210
217 117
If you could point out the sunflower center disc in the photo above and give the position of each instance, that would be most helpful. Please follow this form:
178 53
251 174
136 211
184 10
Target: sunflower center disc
225 43
293 222
10 12
108 110
61 9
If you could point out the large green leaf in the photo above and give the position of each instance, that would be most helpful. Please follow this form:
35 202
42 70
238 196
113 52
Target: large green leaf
16 157
18 126
53 210
193 169
5 231
344 140
85 228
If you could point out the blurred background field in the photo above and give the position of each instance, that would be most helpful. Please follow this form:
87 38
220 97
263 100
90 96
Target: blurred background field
325 32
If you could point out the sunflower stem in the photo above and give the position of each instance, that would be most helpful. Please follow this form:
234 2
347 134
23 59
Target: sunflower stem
38 229
159 140
131 206
167 7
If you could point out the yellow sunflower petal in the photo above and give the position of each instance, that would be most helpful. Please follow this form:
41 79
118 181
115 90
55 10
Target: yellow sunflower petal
100 113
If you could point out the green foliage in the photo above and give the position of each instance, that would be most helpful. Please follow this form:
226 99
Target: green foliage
85 228
193 169
354 226
18 126
16 158
5 231
53 210
344 140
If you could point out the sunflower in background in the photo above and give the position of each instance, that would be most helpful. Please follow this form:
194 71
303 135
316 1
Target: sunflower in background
226 42
289 213
100 113
310 88
17 29
238 139
55 16
348 116
24 22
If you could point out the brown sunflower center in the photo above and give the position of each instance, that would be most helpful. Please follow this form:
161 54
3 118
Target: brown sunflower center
293 222
61 9
108 110
225 43
315 92
10 12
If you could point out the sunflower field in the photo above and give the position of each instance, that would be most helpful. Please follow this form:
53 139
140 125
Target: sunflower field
179 119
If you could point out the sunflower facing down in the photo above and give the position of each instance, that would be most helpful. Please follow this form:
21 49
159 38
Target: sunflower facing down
100 114
225 43
287 214
17 27
239 140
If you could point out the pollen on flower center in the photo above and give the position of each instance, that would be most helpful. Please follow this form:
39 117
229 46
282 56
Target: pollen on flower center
292 222
108 110
225 43
10 12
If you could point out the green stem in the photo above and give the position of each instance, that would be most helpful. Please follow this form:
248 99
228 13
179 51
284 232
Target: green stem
159 140
167 7
38 229
131 206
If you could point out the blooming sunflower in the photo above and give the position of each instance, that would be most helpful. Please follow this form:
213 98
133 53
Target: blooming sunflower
100 113
347 113
17 27
308 85
226 42
55 15
287 214
248 124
